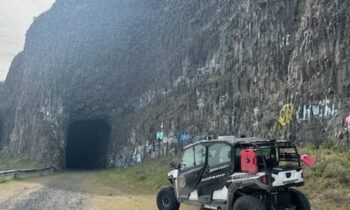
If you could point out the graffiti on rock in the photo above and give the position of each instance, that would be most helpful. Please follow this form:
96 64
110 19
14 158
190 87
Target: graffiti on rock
183 136
160 136
163 144
286 114
321 110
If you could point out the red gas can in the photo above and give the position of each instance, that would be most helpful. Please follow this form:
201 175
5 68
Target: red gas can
249 161
308 160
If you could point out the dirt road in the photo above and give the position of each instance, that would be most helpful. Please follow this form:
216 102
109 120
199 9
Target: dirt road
70 190
84 191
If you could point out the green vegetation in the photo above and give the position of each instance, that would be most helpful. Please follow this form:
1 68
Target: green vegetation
328 182
11 162
144 178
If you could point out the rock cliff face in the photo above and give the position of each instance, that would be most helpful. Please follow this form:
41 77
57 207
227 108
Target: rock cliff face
271 68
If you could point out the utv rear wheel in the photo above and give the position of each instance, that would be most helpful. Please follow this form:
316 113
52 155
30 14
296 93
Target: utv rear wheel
247 202
166 199
299 200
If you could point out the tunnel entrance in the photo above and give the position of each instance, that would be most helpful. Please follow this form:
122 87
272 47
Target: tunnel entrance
87 144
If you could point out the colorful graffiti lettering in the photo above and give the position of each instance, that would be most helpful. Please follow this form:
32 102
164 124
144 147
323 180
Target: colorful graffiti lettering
166 143
183 136
160 136
286 114
322 109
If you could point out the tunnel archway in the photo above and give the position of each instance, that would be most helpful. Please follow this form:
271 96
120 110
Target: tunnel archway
87 144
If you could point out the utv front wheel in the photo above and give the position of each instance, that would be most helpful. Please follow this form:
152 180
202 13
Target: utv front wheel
299 200
247 202
166 199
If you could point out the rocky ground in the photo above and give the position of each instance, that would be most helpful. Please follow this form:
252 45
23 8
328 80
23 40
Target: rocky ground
70 190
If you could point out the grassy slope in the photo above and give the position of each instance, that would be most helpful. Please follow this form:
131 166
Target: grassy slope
10 162
143 179
327 183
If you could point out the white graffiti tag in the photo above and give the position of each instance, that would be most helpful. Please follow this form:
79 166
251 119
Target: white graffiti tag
321 110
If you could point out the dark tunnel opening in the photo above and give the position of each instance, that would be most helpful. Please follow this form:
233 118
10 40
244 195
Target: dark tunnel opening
87 144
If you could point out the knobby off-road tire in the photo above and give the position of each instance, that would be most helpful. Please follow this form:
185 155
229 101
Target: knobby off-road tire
299 200
166 199
247 202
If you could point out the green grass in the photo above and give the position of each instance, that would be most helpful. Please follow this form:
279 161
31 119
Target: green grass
11 162
332 169
143 178
329 180
326 184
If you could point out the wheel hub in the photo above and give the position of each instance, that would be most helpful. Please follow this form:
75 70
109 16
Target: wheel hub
165 201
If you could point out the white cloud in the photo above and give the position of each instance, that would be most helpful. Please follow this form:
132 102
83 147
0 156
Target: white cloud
15 18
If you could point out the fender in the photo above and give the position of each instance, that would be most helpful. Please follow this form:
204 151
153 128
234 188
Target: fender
232 190
172 176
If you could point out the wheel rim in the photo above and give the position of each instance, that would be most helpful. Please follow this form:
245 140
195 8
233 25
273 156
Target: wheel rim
165 201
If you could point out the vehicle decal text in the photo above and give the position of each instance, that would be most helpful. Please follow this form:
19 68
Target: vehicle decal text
213 177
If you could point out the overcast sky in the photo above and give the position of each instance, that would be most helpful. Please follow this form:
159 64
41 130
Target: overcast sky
15 19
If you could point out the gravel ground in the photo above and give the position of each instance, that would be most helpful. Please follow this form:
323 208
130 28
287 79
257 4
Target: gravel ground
52 192
83 191
70 190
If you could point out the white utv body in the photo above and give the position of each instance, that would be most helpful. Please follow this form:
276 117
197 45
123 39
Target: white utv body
236 174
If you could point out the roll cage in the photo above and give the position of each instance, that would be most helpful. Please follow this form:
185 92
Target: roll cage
271 153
